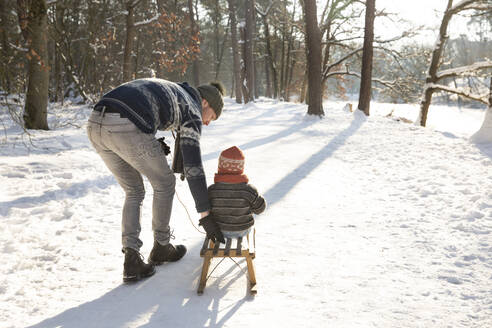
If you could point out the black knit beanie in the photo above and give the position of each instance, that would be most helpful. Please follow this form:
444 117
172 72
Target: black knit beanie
213 93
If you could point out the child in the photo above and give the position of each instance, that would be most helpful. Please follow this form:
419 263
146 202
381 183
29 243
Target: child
232 199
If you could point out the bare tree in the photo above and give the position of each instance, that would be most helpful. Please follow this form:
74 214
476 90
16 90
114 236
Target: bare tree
130 39
33 22
289 61
195 30
313 54
248 91
433 76
235 51
58 71
366 72
270 63
5 78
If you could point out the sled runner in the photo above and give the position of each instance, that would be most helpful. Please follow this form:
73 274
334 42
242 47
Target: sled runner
212 250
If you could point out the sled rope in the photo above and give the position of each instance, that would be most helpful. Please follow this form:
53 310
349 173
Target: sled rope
188 213
215 267
238 265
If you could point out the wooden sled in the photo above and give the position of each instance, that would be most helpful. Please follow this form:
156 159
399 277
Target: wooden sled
212 250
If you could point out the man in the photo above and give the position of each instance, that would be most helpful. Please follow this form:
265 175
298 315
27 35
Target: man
122 129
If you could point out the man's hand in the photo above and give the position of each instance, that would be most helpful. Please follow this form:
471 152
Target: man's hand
212 228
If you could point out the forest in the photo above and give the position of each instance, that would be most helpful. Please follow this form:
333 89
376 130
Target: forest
303 51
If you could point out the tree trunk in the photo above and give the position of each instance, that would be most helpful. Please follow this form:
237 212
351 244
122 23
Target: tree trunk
130 39
434 65
288 67
242 79
235 51
195 67
282 51
327 51
268 89
366 73
35 110
313 42
484 134
5 79
303 90
291 76
221 54
257 82
216 21
58 74
248 51
269 58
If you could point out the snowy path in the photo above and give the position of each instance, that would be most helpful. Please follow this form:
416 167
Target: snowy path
371 223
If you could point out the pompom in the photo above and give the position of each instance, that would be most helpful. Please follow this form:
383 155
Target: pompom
219 87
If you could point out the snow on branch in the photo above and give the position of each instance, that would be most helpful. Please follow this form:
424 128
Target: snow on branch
467 5
18 48
464 69
404 34
147 21
123 12
459 92
267 10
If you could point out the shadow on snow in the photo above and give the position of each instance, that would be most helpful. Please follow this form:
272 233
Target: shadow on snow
75 190
284 186
167 299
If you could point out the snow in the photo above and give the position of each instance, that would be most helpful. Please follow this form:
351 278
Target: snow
484 134
371 222
21 49
147 21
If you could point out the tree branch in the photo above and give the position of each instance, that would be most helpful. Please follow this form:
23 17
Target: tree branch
464 5
267 10
461 92
389 84
403 35
457 71
338 62
326 74
134 3
18 48
147 21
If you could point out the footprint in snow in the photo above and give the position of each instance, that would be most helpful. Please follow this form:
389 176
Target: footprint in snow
484 206
66 175
66 145
451 280
473 215
14 175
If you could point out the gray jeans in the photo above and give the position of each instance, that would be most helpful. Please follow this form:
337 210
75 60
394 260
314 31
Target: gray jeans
129 153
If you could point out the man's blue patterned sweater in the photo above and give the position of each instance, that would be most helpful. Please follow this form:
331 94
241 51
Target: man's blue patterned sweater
156 104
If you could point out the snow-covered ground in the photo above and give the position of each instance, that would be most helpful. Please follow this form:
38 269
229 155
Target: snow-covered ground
372 222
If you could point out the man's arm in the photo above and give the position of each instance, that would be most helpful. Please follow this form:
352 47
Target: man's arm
193 168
